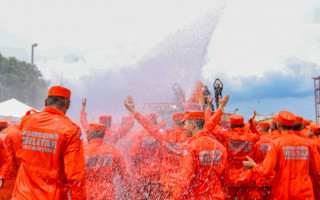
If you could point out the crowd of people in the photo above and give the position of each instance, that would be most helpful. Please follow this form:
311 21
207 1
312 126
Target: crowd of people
47 156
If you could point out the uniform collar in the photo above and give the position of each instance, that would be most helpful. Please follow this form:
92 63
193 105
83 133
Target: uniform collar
96 140
288 132
53 110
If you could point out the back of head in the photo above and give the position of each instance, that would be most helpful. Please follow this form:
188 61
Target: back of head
285 120
236 121
59 97
105 120
96 131
297 123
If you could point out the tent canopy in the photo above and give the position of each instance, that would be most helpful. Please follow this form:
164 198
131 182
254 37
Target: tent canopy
13 108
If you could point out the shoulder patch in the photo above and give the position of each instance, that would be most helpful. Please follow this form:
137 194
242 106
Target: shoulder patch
80 136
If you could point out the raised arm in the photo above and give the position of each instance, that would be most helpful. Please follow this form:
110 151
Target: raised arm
214 120
147 124
83 116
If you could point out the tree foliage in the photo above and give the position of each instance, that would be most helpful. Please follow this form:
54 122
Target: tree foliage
22 81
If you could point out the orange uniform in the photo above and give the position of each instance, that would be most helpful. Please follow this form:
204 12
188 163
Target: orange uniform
263 185
275 134
294 159
146 155
239 144
11 144
203 160
103 162
171 143
111 136
51 156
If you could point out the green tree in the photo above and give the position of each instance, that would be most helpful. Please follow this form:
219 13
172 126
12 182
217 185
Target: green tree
22 81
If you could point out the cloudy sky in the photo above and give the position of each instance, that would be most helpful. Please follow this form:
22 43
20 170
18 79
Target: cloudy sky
265 52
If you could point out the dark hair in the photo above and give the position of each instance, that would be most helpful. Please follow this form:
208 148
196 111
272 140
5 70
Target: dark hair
296 127
58 102
265 129
285 127
96 134
199 122
2 127
237 125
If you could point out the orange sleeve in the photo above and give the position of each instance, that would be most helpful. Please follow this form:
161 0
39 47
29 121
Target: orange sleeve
213 121
269 163
254 129
314 161
122 131
83 120
207 114
149 126
74 166
4 161
185 177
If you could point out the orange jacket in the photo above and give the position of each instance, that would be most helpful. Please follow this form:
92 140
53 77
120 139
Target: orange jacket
11 144
103 162
51 156
294 160
239 144
260 152
111 136
4 162
203 160
171 143
146 156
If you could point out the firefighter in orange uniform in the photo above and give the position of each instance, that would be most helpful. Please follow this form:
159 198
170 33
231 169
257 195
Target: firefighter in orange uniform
103 162
203 160
50 152
111 136
11 144
239 143
171 143
314 131
294 160
147 156
5 167
262 187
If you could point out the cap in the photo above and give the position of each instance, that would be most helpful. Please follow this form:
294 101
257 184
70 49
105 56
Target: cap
306 122
286 118
177 116
298 120
2 124
105 118
236 119
193 115
314 127
98 127
59 91
264 124
275 118
152 116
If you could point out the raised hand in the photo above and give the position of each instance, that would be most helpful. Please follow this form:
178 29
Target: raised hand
252 118
84 103
129 104
224 101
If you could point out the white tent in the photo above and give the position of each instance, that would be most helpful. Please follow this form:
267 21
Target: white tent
13 108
